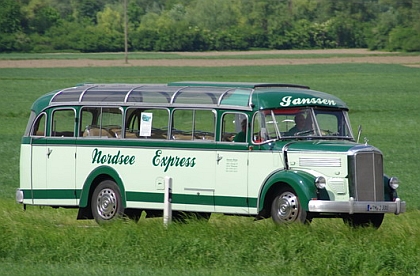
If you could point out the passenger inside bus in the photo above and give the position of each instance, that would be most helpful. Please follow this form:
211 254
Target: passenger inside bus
241 136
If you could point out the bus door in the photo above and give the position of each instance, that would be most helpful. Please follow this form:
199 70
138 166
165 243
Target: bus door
38 161
232 165
60 151
193 168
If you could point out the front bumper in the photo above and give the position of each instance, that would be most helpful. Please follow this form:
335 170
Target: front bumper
352 206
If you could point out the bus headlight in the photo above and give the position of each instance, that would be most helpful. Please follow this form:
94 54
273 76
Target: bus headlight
393 183
320 182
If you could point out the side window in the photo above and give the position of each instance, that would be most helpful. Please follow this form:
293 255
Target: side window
234 127
39 126
259 128
147 123
193 125
204 125
63 123
102 122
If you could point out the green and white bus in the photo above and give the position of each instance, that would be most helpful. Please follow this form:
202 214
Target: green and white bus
254 149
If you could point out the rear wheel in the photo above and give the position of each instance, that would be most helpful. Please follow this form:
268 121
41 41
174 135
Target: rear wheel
106 202
286 208
364 220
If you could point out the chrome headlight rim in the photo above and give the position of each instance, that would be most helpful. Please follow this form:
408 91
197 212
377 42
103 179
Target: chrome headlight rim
320 182
393 183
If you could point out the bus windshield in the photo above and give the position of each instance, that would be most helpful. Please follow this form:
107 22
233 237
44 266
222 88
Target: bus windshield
308 122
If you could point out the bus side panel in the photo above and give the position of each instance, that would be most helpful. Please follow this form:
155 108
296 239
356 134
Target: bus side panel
87 168
61 173
142 171
231 182
192 173
39 173
262 164
25 172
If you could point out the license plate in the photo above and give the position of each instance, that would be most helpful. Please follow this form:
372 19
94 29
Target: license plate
377 208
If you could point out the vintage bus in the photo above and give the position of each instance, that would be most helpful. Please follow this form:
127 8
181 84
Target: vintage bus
254 149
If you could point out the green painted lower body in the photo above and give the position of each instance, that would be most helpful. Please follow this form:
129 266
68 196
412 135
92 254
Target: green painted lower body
65 194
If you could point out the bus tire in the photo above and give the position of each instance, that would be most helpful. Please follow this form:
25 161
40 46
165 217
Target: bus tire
286 208
106 203
364 220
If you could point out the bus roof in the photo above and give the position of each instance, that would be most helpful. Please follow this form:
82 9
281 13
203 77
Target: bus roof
229 95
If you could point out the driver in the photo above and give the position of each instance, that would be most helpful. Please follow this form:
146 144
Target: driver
300 125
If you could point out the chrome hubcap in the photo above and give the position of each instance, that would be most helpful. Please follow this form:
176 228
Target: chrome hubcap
106 204
287 207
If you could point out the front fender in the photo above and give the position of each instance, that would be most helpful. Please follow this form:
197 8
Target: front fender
301 182
100 172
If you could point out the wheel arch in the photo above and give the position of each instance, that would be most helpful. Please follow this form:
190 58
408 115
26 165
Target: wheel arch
97 176
301 182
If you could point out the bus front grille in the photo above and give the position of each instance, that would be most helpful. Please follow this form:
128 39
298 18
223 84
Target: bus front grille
366 175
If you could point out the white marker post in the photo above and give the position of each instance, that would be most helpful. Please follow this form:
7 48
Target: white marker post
167 202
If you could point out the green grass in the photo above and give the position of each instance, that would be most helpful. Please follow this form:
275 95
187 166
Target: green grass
174 55
42 240
383 98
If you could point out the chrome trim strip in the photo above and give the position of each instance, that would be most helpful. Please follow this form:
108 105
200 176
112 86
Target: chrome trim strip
199 189
130 91
219 101
284 150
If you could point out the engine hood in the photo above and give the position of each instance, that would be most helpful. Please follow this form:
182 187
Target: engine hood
327 146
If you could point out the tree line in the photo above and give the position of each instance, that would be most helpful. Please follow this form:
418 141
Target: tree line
203 25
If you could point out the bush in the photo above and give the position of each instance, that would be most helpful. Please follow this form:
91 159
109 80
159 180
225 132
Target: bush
95 39
412 44
143 39
7 42
230 39
15 42
66 36
404 39
257 38
41 44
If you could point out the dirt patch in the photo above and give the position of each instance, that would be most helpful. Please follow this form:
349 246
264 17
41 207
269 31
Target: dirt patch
286 52
366 57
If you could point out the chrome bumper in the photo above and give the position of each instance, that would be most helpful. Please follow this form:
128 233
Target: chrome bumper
352 206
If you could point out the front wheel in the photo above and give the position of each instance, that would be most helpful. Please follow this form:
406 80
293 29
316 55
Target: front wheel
106 202
364 220
286 208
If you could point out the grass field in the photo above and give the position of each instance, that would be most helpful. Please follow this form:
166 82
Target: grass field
382 98
205 55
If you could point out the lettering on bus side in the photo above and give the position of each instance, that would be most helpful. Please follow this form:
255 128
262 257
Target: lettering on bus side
116 159
288 101
172 161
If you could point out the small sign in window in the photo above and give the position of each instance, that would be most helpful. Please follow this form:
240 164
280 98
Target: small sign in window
146 124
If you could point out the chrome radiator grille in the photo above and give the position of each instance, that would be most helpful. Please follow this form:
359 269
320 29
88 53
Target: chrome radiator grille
366 176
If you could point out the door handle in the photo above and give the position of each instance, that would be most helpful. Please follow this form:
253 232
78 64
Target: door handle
49 152
219 157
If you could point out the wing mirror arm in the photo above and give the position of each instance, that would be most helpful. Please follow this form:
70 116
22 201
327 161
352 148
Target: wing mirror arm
359 132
